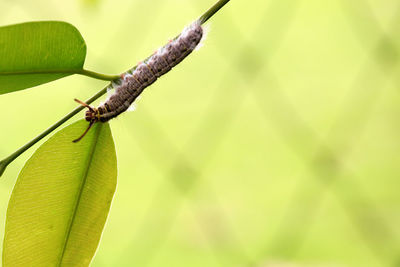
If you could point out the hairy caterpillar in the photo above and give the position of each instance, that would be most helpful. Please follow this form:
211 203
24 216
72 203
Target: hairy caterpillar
133 82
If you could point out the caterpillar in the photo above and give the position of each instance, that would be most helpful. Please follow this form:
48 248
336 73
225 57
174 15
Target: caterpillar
134 81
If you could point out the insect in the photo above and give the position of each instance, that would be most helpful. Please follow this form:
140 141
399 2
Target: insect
133 82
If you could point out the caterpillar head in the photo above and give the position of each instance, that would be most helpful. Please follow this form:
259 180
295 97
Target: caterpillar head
92 114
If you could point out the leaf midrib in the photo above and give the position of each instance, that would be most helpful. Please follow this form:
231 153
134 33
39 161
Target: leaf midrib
41 71
84 179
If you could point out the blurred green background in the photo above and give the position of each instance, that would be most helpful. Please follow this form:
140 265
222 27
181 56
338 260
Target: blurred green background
276 144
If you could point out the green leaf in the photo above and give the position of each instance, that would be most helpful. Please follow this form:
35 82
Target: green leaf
29 50
61 199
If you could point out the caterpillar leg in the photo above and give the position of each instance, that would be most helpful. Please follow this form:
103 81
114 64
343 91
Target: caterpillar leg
84 104
87 130
91 116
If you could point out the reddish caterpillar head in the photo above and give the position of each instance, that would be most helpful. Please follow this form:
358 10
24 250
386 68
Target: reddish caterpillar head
92 115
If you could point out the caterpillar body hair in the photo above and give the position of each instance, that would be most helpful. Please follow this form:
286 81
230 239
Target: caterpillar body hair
134 81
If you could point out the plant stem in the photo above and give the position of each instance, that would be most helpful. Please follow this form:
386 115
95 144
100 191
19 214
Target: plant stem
4 163
214 9
97 75
88 73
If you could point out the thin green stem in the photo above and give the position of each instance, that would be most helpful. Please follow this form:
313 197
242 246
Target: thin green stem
88 73
214 9
4 163
99 76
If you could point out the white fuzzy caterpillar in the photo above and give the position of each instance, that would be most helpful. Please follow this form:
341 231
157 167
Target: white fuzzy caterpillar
133 82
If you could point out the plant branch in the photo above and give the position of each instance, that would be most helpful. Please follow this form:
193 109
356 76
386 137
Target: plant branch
214 9
4 163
